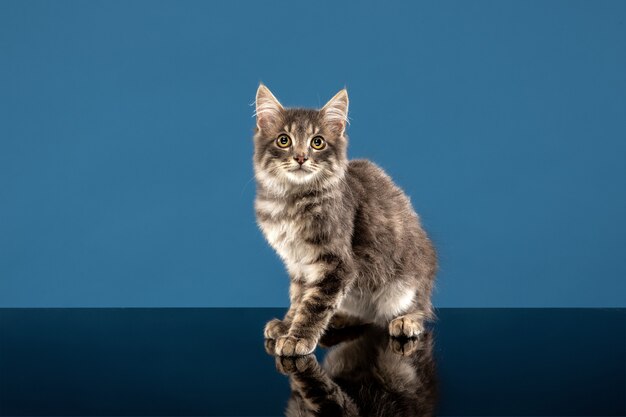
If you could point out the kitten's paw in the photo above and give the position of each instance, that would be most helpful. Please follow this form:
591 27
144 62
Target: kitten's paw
275 328
406 326
288 364
270 346
294 346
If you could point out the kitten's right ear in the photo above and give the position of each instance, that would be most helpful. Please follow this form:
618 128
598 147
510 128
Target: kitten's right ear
336 111
268 108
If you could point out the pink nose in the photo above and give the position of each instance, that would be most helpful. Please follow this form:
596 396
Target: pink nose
300 158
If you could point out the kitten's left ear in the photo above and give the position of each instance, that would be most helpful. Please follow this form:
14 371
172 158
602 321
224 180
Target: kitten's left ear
335 112
268 108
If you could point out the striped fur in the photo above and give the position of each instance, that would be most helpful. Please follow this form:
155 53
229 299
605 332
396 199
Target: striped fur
348 236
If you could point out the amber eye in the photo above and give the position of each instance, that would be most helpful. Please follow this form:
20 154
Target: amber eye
283 141
318 143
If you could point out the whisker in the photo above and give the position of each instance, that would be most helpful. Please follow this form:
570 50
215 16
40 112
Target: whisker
246 185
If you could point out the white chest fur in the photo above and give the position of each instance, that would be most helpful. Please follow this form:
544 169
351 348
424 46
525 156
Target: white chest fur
286 236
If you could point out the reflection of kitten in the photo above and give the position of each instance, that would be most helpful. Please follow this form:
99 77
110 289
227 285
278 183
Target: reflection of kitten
348 235
373 375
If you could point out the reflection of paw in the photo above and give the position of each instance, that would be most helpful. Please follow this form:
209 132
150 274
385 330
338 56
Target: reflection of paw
404 347
405 326
275 328
290 364
294 346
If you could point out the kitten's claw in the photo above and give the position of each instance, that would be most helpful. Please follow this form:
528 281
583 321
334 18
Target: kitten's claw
275 328
405 326
294 346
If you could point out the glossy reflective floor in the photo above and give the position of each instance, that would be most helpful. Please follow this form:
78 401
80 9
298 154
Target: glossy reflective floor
213 362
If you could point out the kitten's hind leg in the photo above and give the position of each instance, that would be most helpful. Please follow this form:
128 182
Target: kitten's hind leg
407 325
342 327
342 320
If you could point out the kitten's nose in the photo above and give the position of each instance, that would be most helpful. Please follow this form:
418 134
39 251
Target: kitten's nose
300 158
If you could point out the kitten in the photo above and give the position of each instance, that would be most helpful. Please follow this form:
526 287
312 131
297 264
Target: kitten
367 374
349 237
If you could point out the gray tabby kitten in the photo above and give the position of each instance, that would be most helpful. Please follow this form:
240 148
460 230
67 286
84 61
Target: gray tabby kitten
349 237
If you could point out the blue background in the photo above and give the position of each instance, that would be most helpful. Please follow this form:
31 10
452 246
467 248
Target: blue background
125 143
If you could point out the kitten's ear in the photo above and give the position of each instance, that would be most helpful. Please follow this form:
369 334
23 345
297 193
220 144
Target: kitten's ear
268 108
335 112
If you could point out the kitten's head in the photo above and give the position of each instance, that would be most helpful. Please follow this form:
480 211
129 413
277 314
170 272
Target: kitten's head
299 148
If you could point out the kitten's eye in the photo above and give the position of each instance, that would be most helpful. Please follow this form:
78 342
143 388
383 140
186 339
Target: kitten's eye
283 141
318 143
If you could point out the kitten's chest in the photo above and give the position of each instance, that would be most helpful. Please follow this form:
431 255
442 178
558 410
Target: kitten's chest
289 232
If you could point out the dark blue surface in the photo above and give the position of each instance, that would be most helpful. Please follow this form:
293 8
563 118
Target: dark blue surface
490 362
504 120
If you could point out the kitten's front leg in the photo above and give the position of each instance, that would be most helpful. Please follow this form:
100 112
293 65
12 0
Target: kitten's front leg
276 327
319 302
